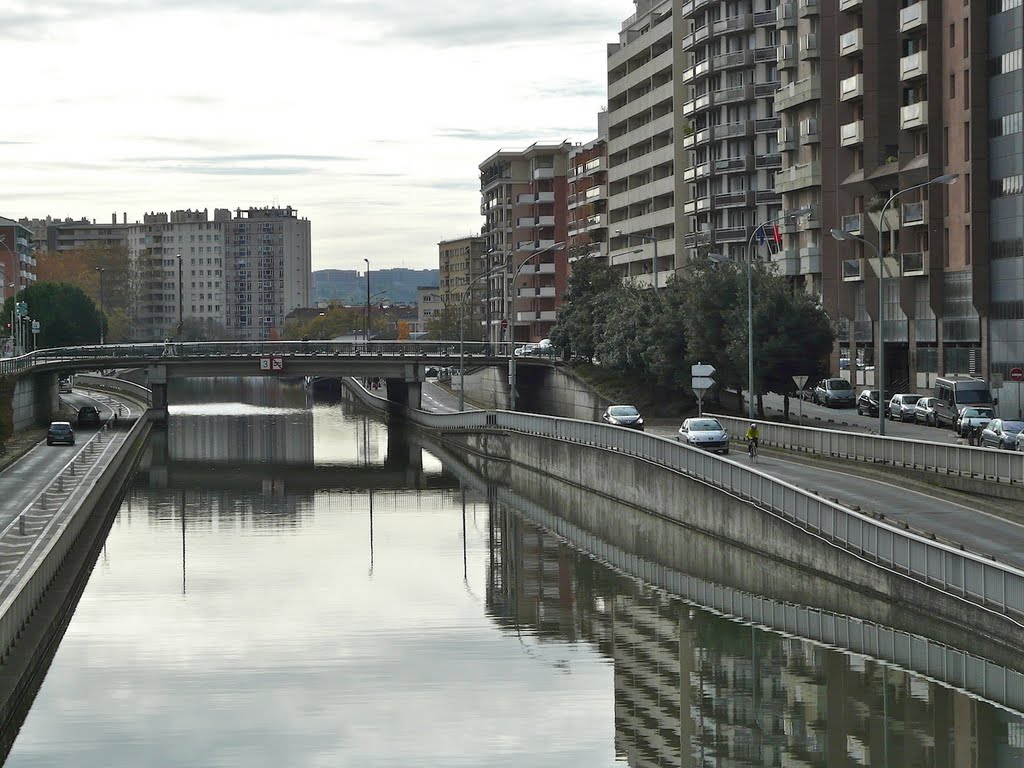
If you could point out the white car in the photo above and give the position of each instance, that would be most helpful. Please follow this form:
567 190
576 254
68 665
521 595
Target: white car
706 433
902 407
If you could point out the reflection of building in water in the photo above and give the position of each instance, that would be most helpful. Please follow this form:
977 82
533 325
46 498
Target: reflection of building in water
215 510
248 438
696 689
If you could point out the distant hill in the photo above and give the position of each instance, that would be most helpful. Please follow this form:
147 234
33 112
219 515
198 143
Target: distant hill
348 286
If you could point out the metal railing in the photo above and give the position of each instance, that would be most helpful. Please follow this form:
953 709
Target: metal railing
943 459
989 585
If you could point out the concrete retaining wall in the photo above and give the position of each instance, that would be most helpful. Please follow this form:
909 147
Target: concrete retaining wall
540 388
34 401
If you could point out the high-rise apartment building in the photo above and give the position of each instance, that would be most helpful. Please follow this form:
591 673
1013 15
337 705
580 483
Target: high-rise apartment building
462 265
523 196
730 52
646 156
588 196
267 269
17 262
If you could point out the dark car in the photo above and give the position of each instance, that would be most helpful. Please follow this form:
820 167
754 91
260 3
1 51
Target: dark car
623 416
834 393
60 432
973 419
88 416
867 403
1001 433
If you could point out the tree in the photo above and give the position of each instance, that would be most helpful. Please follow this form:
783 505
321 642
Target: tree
588 298
66 315
82 267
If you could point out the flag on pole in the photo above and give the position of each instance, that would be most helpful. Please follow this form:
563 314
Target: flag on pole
778 235
760 235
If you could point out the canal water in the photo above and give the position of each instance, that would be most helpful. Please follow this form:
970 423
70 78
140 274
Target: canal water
292 583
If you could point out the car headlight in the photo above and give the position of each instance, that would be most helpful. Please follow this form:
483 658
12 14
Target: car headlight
639 421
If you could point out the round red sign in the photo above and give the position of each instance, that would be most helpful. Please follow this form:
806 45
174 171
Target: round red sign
1017 374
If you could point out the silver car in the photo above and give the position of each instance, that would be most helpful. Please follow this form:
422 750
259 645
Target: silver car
902 407
924 412
706 433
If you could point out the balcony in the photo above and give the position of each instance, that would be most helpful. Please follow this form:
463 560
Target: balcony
810 259
544 268
809 131
544 197
786 263
768 161
850 5
695 172
697 206
732 130
915 214
766 90
785 15
543 292
851 88
853 270
786 138
808 8
698 35
808 47
742 23
698 70
545 316
798 177
733 164
767 197
540 174
914 16
733 60
914 115
766 53
913 66
698 104
787 56
914 264
739 199
764 19
852 134
732 235
789 96
851 42
734 94
852 223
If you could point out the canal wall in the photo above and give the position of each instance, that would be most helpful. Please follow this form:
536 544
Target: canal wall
38 601
540 388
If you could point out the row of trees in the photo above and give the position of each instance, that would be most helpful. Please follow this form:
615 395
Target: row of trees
701 316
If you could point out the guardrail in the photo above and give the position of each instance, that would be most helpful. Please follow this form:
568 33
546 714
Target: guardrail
992 586
117 386
957 460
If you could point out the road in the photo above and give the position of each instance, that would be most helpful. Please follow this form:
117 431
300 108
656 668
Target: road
986 527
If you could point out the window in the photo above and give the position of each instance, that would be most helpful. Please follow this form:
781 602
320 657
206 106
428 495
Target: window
967 37
967 192
967 140
952 35
967 89
952 85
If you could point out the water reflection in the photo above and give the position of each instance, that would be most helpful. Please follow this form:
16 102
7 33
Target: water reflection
358 604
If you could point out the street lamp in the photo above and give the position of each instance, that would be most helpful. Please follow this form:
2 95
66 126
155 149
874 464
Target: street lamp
366 336
839 234
512 350
654 258
462 330
181 301
101 270
750 300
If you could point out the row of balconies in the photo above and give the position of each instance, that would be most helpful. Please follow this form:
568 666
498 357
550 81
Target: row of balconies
529 198
588 224
729 25
737 199
536 221
912 215
796 93
589 168
914 264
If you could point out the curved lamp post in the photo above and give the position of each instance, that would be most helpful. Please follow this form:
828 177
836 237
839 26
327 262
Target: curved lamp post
646 239
512 346
750 301
462 330
101 270
838 234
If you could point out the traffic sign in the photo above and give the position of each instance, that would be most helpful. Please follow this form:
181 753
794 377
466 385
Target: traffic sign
273 363
702 382
702 370
1017 374
800 379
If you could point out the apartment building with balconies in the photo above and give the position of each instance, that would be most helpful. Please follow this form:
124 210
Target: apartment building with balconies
523 198
462 282
732 156
17 260
646 157
267 270
588 198
910 82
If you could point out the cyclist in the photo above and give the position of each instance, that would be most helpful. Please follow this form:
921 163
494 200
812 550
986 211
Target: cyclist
752 436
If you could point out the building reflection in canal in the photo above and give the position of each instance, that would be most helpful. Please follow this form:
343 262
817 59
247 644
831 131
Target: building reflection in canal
413 602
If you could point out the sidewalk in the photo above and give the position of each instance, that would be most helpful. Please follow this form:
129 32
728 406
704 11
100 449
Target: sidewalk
20 443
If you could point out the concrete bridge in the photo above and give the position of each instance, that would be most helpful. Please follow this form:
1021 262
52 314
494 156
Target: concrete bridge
402 365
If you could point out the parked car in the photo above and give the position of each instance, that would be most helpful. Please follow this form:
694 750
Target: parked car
60 432
88 416
65 384
972 418
1001 433
954 393
867 402
834 393
623 416
924 412
525 350
706 433
902 407
1019 442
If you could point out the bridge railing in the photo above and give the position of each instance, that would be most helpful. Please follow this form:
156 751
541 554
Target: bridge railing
942 458
450 350
991 585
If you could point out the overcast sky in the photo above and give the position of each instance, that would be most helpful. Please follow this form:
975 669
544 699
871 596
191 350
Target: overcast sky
368 117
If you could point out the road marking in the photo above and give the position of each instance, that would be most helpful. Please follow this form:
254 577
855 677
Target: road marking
904 489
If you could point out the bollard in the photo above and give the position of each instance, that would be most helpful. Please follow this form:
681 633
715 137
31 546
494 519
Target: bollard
21 524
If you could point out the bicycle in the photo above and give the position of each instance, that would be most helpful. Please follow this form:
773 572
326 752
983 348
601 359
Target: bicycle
752 450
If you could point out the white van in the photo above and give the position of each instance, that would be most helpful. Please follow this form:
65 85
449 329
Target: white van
954 393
